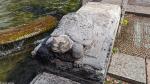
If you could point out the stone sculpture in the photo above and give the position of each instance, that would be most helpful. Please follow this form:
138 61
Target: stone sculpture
92 29
57 44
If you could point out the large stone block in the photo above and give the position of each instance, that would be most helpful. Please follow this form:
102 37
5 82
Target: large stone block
94 26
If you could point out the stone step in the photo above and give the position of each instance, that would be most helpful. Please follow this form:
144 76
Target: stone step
128 68
46 78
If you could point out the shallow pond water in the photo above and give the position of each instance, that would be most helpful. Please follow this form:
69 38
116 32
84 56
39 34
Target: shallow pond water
12 63
20 67
17 12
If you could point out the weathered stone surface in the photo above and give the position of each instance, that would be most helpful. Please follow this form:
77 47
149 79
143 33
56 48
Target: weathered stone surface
46 78
84 2
129 67
78 50
93 26
117 2
140 2
61 44
148 70
138 9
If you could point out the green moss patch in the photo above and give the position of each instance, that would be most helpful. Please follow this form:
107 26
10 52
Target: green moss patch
8 63
33 28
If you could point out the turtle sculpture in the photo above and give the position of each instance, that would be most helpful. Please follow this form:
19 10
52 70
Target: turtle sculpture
60 44
92 35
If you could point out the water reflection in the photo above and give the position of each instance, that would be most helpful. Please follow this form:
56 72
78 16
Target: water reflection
20 67
15 12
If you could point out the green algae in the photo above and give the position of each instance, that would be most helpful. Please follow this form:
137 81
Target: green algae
20 12
43 24
8 63
45 6
23 11
41 7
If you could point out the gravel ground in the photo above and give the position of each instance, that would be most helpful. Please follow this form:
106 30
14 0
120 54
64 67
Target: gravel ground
111 80
134 38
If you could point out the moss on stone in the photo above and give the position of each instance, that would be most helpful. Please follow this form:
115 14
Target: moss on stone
33 28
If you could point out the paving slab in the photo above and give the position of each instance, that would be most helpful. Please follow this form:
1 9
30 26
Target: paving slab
140 2
46 78
86 1
128 67
117 2
148 70
138 9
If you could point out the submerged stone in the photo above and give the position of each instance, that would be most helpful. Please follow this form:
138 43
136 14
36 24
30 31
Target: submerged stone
7 64
17 12
30 9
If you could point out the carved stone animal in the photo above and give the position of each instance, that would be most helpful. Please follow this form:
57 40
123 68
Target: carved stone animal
57 46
